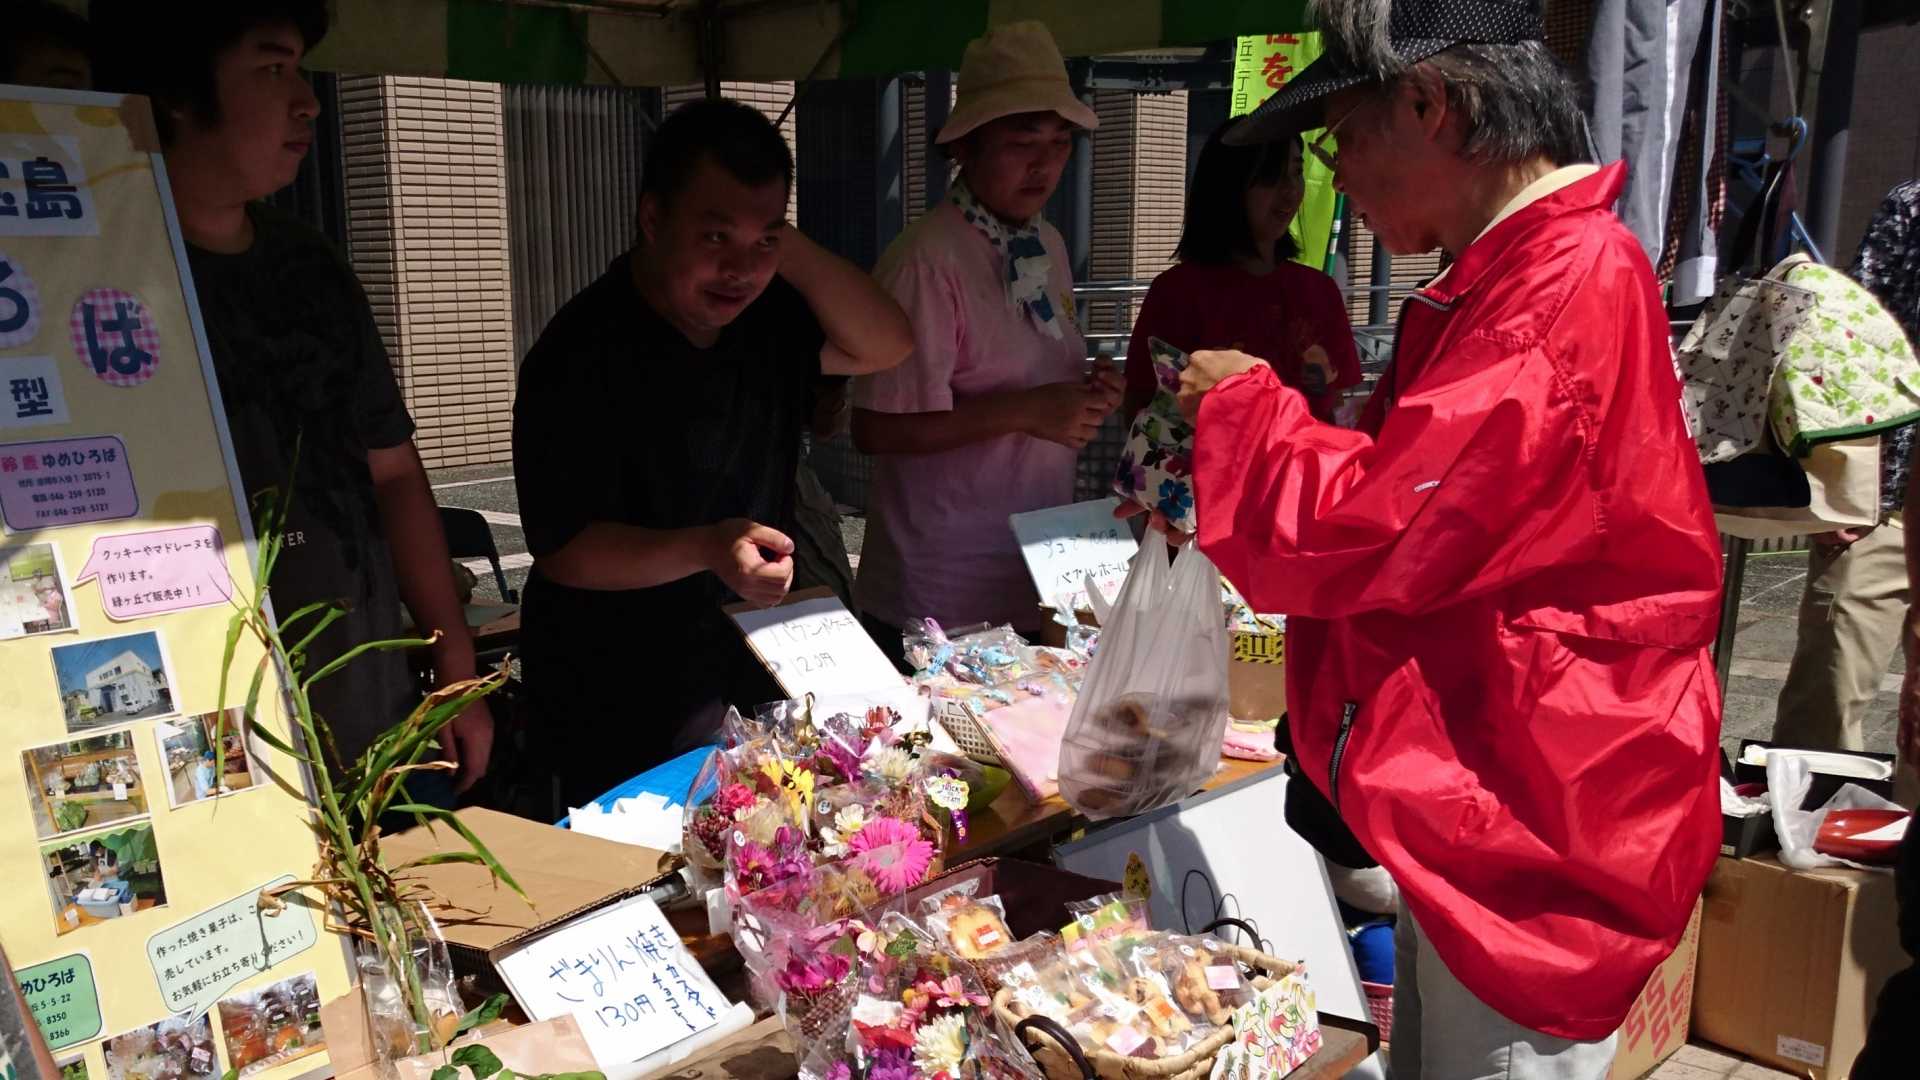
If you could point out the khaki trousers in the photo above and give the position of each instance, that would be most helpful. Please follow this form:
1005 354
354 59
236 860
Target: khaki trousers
1851 616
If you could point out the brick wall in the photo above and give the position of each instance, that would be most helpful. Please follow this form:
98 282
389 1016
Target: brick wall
426 194
1139 191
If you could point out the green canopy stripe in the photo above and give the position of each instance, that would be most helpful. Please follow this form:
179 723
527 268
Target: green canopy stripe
1183 22
890 36
494 42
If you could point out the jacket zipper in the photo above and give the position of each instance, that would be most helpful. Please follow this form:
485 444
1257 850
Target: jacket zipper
1347 713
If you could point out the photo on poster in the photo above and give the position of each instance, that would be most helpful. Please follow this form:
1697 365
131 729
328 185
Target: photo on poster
172 1049
34 598
84 784
272 1026
72 1068
188 746
110 681
109 875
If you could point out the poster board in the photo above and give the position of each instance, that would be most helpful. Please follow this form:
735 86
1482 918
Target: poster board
132 924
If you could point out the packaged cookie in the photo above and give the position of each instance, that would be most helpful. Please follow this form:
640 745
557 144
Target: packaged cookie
1201 977
971 929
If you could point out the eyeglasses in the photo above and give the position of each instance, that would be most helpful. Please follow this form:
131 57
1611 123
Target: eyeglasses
1318 147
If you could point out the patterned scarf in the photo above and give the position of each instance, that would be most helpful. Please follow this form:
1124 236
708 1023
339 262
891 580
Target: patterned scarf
1028 266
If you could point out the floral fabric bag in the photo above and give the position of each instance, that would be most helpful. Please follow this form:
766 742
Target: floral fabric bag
1156 469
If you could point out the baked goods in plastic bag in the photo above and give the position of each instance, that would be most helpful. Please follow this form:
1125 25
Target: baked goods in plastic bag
1147 727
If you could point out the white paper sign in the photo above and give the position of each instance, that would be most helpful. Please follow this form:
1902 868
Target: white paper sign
30 392
816 646
624 977
1065 544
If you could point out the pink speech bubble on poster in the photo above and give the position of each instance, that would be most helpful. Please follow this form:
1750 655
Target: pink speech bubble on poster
61 482
162 570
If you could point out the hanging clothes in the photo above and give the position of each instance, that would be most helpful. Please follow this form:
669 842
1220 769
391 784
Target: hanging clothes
1640 74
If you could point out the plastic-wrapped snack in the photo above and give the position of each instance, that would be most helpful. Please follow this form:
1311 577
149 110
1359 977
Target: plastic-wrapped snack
1040 948
1105 921
972 929
917 1013
1206 981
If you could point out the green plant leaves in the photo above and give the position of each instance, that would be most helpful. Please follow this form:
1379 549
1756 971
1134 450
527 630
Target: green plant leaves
481 1060
487 1013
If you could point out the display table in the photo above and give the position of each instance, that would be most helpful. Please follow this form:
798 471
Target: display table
764 1052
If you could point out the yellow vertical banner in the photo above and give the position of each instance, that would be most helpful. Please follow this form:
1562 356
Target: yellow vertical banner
138 821
1263 64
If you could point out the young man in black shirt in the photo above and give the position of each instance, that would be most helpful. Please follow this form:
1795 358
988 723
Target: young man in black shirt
299 358
655 435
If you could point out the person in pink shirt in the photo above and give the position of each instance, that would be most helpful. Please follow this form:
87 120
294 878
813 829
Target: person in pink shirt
987 416
1236 284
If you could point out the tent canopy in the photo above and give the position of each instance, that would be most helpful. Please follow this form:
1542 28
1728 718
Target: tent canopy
665 42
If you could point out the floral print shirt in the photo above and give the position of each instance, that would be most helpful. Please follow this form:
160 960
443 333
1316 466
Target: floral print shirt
1888 264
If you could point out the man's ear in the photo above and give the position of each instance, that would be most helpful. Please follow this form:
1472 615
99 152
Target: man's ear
1425 93
650 217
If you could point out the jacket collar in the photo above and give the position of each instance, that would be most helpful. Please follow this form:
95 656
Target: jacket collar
1597 191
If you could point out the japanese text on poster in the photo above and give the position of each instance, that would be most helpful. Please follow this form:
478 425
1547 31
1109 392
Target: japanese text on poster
1066 543
624 977
199 960
46 485
34 397
43 189
63 999
816 646
148 573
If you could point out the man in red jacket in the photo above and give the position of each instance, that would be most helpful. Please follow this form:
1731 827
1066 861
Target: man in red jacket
1504 585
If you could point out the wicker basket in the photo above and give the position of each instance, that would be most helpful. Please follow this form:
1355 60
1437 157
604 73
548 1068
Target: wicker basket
1061 1056
967 731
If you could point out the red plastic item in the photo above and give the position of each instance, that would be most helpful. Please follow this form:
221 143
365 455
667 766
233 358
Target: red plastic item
1840 835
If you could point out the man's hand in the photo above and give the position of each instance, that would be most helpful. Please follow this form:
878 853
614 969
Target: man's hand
1843 537
1070 413
755 561
468 743
1207 369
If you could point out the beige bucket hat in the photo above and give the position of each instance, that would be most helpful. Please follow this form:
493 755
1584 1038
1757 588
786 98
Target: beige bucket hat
1015 68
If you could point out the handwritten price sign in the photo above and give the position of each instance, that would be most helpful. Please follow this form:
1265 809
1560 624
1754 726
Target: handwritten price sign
1065 544
814 645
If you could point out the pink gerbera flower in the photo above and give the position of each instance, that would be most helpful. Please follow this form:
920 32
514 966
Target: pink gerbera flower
882 832
896 868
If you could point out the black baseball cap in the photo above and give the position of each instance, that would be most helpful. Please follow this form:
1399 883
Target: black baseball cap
1416 29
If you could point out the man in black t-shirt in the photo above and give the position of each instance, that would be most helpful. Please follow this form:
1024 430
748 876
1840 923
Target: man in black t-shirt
299 358
655 437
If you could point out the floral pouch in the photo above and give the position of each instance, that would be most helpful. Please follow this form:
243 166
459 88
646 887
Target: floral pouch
1156 468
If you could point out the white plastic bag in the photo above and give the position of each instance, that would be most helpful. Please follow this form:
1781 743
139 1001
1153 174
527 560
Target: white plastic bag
1146 729
1788 779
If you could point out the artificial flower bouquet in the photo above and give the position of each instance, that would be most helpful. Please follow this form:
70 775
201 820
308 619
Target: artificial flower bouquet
913 1012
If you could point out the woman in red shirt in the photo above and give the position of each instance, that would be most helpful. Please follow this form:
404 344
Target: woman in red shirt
1235 286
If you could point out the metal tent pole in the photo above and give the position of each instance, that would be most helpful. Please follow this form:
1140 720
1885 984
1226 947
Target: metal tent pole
1732 579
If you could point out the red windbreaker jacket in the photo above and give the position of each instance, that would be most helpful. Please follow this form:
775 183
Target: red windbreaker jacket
1500 595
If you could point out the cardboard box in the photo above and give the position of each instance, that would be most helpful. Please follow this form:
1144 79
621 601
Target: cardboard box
565 874
551 1046
1791 962
1657 1024
1257 675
